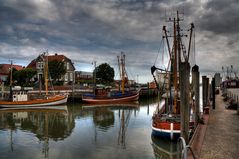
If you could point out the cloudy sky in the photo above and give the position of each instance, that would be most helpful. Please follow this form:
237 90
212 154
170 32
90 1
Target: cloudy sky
98 30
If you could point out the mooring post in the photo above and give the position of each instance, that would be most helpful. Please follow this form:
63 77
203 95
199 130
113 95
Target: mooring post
195 82
207 91
184 99
204 90
213 93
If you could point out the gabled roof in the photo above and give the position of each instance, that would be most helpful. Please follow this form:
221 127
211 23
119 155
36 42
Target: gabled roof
5 68
58 58
50 58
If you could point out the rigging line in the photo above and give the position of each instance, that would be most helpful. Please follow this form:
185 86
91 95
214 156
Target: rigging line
158 50
163 54
194 46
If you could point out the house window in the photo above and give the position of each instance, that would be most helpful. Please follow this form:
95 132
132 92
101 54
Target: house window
39 65
66 77
71 76
67 65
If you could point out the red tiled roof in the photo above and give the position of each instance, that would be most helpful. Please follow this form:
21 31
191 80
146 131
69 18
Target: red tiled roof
5 68
57 57
32 64
50 58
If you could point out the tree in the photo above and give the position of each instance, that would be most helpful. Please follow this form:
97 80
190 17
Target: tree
104 74
56 69
23 77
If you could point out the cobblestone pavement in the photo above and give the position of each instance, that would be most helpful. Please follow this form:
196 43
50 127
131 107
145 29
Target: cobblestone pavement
222 135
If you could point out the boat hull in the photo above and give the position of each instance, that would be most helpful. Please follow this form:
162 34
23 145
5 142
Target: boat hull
168 130
51 101
124 99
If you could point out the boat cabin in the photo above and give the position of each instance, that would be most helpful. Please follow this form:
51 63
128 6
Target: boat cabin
103 91
20 94
233 83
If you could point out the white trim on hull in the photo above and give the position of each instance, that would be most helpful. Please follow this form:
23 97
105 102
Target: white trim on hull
170 132
58 102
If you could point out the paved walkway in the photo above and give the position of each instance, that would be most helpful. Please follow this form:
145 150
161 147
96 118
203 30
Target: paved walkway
222 135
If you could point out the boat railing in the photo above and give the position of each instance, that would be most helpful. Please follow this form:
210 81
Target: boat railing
182 149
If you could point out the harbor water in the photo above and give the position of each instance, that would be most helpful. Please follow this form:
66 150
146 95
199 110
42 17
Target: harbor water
82 131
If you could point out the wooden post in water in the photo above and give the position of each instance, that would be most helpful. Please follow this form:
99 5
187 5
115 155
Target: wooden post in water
204 91
195 82
207 91
184 99
213 93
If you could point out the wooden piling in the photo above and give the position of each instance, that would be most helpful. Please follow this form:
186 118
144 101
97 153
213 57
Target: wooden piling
204 91
195 83
207 91
184 99
213 93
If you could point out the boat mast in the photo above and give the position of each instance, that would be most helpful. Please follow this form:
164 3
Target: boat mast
94 77
123 75
168 96
46 73
175 69
166 36
190 39
10 82
123 71
178 39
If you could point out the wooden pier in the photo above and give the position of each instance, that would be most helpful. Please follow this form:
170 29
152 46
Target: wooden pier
218 137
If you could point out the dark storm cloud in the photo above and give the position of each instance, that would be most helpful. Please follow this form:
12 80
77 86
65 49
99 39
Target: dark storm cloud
87 30
221 17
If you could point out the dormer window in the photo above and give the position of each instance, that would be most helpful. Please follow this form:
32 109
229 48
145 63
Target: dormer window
39 65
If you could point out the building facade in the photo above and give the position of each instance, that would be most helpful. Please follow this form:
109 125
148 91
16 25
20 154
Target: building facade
39 64
84 79
5 69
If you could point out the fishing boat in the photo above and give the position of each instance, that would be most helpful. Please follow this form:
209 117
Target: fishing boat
106 95
166 120
20 97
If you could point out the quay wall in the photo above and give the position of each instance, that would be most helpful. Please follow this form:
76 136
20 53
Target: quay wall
76 94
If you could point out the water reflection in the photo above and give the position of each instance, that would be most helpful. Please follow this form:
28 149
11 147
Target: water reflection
104 118
163 148
107 131
45 123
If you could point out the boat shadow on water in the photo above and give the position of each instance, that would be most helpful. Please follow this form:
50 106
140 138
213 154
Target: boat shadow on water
164 148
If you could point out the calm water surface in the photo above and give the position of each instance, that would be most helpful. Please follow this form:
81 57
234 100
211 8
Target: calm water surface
77 131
